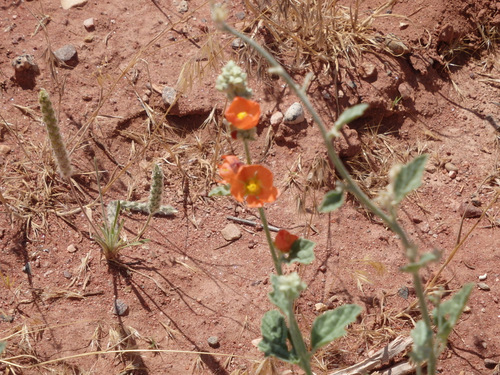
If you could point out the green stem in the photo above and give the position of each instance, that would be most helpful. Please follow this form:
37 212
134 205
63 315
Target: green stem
265 225
391 222
298 342
247 151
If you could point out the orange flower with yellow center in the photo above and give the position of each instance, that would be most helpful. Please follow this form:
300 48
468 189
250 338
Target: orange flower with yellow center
229 168
254 182
284 240
243 114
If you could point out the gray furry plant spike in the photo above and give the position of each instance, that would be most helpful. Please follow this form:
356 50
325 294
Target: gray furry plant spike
56 141
156 192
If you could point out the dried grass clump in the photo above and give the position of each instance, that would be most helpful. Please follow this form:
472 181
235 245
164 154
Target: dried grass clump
308 31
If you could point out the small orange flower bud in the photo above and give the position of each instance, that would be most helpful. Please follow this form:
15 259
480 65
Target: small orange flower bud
284 240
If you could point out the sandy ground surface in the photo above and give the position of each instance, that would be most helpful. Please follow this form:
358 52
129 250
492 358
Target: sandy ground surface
438 95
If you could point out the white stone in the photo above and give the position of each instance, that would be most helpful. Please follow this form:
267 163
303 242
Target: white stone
294 114
68 4
276 118
89 24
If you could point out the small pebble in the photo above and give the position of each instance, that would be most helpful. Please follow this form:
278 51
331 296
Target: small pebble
71 248
4 149
67 55
68 4
483 286
450 167
67 274
322 268
483 277
469 211
467 309
213 341
168 95
294 114
231 232
490 363
320 307
89 24
120 308
89 38
452 174
276 118
183 6
237 44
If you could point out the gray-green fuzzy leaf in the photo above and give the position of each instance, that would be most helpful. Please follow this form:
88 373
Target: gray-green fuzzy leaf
447 313
274 337
302 251
422 342
331 325
220 190
409 178
333 200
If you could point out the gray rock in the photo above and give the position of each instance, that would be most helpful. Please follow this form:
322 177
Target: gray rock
490 363
406 91
276 118
237 44
294 114
231 232
67 55
450 167
483 286
213 341
67 274
89 24
368 70
183 6
168 95
120 308
469 211
25 63
68 4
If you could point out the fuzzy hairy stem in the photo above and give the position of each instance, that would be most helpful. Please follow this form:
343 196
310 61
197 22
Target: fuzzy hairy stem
410 248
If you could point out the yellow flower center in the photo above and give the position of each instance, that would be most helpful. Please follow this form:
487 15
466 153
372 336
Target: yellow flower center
242 115
252 187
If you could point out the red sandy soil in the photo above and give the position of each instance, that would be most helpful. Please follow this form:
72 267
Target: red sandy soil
188 283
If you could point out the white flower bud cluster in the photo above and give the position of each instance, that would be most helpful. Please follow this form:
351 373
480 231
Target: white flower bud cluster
233 81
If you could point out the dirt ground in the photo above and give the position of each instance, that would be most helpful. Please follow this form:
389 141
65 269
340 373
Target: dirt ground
437 94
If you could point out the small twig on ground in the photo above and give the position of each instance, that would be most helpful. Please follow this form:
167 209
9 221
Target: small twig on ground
252 223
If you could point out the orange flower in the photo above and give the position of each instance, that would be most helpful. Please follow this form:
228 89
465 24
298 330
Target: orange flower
284 240
243 113
256 183
229 168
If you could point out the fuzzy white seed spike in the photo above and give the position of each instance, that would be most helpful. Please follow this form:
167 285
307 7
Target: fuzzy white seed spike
156 192
54 133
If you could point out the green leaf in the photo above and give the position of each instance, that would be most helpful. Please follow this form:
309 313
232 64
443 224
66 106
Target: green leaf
220 190
286 288
447 313
3 345
422 262
302 251
409 178
331 325
274 337
350 114
422 342
332 200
